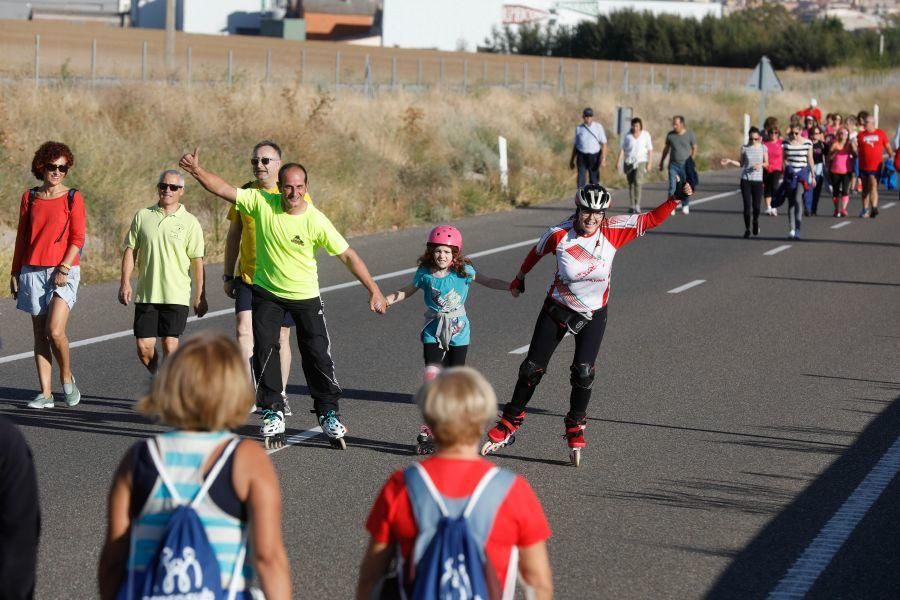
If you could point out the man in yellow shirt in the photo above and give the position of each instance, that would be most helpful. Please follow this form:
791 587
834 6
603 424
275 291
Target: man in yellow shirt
166 242
240 247
288 231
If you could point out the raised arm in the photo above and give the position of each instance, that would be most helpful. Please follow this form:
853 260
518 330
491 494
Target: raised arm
355 264
209 180
401 294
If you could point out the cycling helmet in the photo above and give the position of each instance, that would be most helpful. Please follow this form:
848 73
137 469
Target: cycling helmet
592 197
446 235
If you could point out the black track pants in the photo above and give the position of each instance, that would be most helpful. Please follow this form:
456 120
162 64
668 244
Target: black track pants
312 339
547 336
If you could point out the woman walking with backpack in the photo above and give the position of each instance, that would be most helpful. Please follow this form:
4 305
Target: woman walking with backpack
45 272
426 497
199 475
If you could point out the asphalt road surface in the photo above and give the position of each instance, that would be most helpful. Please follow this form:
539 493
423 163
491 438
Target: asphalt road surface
742 426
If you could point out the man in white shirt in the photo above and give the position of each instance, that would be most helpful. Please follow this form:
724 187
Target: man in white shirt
589 149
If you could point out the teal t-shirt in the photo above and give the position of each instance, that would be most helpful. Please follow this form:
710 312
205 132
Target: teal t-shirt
444 294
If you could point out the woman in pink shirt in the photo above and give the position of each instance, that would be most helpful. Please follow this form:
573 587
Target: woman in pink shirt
840 169
772 174
45 272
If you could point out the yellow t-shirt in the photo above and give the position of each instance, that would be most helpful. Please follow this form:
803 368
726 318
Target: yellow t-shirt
246 265
164 245
286 244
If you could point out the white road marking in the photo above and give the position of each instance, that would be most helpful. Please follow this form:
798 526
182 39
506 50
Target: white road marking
521 350
803 574
297 438
331 288
776 250
230 311
693 202
841 224
687 286
889 205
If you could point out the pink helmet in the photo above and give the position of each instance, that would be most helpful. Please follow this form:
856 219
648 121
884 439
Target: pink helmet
446 235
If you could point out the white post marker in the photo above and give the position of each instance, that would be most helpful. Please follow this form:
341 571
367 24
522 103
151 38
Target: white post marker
746 127
687 286
875 114
504 165
776 250
841 224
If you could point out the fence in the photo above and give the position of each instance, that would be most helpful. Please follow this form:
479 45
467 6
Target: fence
121 56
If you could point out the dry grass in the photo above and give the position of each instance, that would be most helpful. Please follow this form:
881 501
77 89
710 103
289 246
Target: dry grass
375 163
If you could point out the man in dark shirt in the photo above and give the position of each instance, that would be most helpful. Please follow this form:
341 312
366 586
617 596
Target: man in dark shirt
20 515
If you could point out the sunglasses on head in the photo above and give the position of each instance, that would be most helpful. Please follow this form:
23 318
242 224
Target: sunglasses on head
265 160
61 168
172 187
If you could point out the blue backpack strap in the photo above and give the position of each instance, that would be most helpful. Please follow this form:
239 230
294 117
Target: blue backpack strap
427 505
485 502
71 198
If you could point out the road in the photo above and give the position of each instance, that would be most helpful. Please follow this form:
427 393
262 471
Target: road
731 423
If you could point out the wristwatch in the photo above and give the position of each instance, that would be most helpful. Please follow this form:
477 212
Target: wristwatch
227 277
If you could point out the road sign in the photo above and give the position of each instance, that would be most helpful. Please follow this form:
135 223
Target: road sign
763 78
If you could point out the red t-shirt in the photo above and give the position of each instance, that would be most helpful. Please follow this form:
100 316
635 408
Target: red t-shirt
520 520
872 146
46 231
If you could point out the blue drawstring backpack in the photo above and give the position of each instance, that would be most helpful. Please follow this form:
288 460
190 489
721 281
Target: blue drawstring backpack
449 560
184 565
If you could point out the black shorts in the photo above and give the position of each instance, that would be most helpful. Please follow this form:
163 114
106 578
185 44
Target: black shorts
159 320
243 300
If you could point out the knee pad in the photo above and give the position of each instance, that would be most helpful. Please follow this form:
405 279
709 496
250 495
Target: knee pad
582 376
530 372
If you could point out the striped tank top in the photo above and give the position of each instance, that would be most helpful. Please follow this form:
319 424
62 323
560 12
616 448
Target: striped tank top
796 154
184 453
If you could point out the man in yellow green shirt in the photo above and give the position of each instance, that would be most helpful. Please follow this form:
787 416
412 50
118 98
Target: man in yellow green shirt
165 241
288 231
240 248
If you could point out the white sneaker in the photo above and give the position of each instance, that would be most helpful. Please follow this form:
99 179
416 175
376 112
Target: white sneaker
673 211
774 212
41 402
685 210
792 234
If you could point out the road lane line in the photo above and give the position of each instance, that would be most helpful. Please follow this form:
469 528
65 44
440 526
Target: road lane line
521 350
297 438
687 286
230 311
803 574
841 224
776 250
889 205
693 202
331 288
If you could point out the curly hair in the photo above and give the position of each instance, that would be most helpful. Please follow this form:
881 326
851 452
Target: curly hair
47 153
459 261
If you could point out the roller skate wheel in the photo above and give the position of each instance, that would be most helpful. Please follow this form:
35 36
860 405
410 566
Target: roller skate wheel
487 448
338 443
575 457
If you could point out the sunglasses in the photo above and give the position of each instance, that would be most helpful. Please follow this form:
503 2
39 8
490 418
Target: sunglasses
172 187
61 168
265 160
588 211
754 138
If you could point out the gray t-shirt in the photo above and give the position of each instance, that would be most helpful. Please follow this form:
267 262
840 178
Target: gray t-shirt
752 156
680 146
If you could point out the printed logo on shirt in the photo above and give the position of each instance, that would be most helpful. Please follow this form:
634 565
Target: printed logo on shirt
176 231
296 240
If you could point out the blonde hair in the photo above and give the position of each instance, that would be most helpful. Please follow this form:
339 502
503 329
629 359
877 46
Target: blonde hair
202 386
457 405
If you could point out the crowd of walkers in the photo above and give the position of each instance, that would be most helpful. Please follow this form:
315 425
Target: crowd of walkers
197 499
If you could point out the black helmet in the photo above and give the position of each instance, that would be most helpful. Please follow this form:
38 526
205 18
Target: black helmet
592 197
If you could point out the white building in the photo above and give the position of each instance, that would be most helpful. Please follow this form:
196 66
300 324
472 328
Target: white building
203 16
466 24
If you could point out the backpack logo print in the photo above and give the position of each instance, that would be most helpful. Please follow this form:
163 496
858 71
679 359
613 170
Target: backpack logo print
456 578
179 570
296 240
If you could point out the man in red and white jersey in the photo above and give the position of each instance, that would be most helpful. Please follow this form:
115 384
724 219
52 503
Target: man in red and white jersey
872 144
584 246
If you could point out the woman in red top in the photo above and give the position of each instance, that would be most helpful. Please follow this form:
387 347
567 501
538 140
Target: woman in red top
457 405
772 173
45 273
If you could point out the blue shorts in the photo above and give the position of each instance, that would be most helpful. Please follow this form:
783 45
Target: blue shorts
243 300
36 289
875 174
